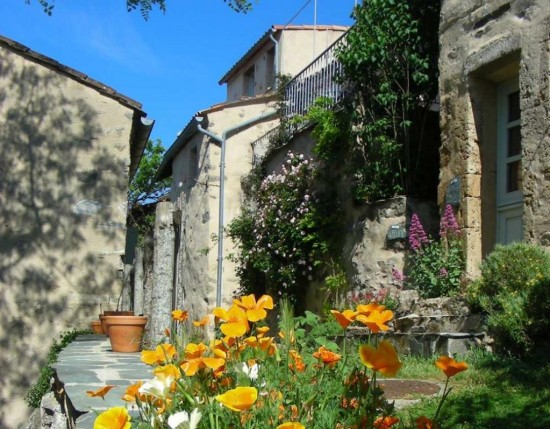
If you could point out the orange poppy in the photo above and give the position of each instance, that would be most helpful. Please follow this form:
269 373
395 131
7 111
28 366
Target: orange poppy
298 365
261 331
202 322
366 309
385 422
376 320
327 357
113 418
424 422
450 366
194 359
162 354
180 315
132 392
384 358
344 318
238 399
100 392
291 425
255 310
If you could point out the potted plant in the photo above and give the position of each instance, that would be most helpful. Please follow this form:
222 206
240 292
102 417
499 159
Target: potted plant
125 332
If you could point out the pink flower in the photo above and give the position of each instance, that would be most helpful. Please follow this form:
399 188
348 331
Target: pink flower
417 235
448 223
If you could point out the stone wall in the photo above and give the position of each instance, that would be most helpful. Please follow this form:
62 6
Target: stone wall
64 167
483 45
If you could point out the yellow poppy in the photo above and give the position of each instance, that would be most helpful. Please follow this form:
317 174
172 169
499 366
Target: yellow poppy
169 370
255 310
162 354
384 358
291 425
239 399
236 321
180 315
450 366
100 392
344 318
113 418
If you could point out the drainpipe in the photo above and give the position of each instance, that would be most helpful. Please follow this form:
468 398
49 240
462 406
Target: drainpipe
222 141
276 83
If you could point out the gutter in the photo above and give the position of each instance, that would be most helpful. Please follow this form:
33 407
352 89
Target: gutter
222 140
276 83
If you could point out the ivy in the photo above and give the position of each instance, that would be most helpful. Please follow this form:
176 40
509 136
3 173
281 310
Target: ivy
388 59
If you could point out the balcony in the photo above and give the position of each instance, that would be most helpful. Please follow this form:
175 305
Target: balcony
318 79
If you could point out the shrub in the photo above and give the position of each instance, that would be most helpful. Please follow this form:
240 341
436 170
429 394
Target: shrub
514 292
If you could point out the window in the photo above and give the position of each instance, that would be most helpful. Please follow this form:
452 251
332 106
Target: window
248 82
509 166
193 167
270 67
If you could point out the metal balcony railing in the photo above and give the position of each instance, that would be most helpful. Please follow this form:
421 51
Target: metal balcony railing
319 79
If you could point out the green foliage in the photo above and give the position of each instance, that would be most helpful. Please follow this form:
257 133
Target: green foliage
42 385
144 189
514 291
495 392
284 238
388 60
435 267
146 6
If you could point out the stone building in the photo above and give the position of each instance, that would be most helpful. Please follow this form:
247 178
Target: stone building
193 161
494 88
68 148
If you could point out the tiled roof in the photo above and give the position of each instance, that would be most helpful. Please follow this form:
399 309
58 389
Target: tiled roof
68 71
262 40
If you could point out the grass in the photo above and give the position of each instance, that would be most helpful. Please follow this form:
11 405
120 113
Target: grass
495 392
42 385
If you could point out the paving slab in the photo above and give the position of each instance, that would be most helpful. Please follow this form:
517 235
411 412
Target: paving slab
89 363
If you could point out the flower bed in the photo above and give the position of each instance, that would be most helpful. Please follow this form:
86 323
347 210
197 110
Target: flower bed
247 378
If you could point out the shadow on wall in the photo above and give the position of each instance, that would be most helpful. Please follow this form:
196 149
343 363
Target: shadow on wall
51 271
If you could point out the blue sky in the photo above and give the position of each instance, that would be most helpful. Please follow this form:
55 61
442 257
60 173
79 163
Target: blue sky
171 63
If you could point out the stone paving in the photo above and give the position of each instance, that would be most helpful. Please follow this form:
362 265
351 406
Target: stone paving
88 363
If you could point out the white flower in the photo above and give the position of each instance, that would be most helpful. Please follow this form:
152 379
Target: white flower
158 387
251 371
182 420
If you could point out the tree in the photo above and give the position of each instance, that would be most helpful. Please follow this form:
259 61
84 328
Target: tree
144 190
146 6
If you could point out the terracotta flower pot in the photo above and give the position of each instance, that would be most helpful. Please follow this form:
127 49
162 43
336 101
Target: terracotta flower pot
126 332
112 313
96 327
